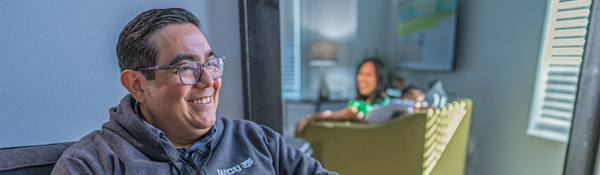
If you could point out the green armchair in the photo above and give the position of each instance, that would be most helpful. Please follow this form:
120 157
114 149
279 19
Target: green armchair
430 142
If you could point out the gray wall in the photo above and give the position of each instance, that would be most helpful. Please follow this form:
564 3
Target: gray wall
60 74
497 49
222 24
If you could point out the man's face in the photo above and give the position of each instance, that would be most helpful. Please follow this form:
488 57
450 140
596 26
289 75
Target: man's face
170 102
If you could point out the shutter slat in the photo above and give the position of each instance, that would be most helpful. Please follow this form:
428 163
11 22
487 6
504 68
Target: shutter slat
578 22
565 60
573 13
561 96
572 4
568 41
562 87
563 78
564 67
570 32
555 122
556 114
553 127
555 104
566 51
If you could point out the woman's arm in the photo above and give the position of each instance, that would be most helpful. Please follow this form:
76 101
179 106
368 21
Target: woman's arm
348 113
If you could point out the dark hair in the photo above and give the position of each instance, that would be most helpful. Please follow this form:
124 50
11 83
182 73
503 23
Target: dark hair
380 73
410 87
400 80
136 47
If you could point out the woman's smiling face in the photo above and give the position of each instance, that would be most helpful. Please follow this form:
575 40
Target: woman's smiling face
366 79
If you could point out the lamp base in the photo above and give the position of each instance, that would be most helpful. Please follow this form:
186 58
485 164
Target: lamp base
323 91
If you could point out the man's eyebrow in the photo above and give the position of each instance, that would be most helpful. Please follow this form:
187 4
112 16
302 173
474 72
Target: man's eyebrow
182 57
210 54
190 57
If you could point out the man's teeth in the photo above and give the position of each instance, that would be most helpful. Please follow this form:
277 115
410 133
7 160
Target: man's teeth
201 101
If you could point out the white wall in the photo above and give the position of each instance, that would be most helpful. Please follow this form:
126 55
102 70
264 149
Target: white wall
60 74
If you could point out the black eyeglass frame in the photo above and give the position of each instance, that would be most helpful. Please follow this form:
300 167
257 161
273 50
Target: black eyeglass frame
178 67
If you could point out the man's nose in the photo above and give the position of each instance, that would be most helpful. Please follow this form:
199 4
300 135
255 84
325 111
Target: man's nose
206 79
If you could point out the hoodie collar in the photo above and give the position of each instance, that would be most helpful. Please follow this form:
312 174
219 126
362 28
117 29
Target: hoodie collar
125 122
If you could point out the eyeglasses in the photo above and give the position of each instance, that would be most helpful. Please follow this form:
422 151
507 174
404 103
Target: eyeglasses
190 72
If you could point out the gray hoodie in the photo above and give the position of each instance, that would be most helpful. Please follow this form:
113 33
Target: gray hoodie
125 145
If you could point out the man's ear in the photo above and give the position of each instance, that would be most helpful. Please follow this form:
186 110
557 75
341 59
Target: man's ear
132 81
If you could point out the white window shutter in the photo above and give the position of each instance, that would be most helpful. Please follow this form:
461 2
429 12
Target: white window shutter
558 69
290 49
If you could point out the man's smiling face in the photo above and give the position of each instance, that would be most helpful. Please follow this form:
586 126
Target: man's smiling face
171 104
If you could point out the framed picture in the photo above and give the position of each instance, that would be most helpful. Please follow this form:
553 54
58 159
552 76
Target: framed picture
425 34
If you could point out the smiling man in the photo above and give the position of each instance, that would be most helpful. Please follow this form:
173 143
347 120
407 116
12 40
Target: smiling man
169 124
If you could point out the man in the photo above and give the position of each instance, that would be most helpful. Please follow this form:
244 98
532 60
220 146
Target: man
168 124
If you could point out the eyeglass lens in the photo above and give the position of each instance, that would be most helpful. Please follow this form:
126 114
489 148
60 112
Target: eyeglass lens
191 72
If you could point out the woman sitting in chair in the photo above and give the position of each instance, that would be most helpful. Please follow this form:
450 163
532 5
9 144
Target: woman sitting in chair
370 85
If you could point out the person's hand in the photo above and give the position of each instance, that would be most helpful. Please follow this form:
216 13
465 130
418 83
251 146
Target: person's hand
356 115
302 123
308 118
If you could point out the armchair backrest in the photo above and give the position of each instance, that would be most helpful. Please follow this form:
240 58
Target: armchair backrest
430 142
38 159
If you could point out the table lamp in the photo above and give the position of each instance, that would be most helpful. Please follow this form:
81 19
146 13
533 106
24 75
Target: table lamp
323 54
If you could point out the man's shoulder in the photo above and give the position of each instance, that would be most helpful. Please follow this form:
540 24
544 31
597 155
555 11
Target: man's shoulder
244 126
89 139
245 131
87 146
238 121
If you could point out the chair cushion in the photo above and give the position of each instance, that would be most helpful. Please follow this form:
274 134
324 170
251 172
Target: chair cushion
37 159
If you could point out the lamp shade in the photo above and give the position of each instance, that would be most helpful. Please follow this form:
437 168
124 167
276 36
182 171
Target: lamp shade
323 53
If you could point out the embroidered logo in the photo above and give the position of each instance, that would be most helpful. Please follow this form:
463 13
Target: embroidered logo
246 164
